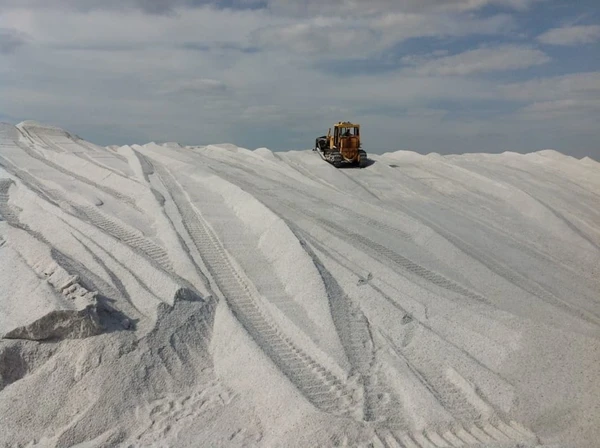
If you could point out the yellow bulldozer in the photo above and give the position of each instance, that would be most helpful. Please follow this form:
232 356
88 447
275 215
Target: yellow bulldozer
343 147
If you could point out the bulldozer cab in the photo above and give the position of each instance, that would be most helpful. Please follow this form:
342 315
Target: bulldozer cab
344 130
346 136
342 146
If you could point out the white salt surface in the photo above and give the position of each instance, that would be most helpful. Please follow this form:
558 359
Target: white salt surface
162 295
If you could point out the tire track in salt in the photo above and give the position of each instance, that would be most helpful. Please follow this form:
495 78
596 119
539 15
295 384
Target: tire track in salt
380 251
450 390
281 186
570 225
8 213
48 194
130 236
353 330
47 141
407 317
114 193
148 171
478 425
513 276
475 421
91 147
368 245
493 433
323 389
60 277
530 286
474 433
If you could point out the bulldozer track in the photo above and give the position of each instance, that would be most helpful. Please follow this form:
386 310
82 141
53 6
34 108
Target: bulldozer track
386 413
355 334
514 277
281 186
321 387
87 145
115 194
129 236
369 245
49 194
445 392
49 143
410 266
494 432
453 392
89 159
132 237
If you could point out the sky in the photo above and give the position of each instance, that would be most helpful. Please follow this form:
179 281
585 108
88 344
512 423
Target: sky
444 76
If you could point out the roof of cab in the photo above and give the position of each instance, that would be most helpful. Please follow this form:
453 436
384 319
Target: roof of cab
346 124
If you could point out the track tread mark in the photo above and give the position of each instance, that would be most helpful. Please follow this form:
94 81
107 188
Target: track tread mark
406 440
457 436
131 237
494 432
436 439
389 440
371 246
511 275
465 436
248 186
480 435
304 372
57 167
452 439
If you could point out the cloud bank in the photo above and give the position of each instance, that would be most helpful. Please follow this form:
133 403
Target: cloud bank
443 76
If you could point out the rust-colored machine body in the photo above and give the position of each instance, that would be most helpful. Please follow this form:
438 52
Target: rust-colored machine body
343 146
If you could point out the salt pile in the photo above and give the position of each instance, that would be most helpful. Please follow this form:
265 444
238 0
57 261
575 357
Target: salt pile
161 295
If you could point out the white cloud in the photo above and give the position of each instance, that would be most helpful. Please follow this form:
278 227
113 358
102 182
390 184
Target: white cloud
343 38
375 7
576 113
401 26
291 7
317 37
576 85
481 60
202 75
571 35
567 102
563 105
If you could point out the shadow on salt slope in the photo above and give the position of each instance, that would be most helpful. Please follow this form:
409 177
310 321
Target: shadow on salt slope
111 319
368 163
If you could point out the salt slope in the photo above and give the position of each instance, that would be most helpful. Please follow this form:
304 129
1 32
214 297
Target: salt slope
251 298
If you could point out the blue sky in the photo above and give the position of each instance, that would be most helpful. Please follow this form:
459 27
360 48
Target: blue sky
446 76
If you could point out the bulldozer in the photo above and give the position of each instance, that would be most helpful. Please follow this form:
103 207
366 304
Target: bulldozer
343 147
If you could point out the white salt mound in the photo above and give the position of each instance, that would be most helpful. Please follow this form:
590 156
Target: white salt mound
161 295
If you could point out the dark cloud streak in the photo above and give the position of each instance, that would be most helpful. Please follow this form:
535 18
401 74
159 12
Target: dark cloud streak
219 46
285 7
154 7
11 40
